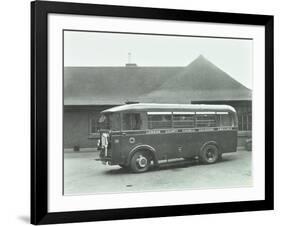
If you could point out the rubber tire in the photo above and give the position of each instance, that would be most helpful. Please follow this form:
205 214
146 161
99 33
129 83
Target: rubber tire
134 165
215 151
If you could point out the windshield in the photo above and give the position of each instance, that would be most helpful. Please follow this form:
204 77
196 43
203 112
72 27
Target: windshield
109 122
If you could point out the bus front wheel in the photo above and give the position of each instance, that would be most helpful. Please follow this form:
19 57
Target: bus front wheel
210 154
140 162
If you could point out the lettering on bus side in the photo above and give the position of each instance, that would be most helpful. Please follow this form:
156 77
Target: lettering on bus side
205 129
153 131
225 128
171 130
188 130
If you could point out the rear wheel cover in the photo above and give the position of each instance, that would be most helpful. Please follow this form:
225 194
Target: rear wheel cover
210 154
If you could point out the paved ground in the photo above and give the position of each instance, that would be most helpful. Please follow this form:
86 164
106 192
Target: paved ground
84 175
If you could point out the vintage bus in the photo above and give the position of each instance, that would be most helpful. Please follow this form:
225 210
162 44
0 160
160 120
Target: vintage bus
137 136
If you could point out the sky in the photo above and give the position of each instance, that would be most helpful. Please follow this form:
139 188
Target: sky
233 56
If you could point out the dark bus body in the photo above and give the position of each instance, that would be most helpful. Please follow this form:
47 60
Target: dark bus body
136 136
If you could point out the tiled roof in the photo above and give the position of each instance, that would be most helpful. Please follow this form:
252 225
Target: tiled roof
200 80
112 85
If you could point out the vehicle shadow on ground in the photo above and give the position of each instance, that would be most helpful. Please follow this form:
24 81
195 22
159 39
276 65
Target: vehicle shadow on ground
174 166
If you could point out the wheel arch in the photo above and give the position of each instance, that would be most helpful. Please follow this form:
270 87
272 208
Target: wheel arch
211 142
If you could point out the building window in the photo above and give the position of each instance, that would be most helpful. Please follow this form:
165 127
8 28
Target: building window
159 121
245 122
244 115
93 123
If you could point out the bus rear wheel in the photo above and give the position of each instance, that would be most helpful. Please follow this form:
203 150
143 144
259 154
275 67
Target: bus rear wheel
140 162
210 154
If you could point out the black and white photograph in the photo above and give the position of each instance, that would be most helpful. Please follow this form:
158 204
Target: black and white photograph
155 112
149 112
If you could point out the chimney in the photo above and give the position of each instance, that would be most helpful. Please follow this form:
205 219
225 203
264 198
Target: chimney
129 64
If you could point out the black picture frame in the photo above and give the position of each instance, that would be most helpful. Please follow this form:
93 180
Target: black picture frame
39 112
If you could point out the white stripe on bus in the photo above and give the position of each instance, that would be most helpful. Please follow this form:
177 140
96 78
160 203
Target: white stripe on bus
222 113
159 113
184 113
205 113
188 113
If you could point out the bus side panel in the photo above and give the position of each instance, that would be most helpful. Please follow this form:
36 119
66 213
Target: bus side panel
172 145
226 140
122 145
163 144
116 150
183 145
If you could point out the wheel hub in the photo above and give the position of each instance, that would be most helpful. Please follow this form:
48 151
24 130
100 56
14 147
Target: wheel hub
142 161
210 155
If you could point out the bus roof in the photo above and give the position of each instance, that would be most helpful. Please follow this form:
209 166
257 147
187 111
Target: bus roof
169 107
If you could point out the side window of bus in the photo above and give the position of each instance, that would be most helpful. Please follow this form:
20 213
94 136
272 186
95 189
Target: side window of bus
115 122
132 121
183 121
206 120
226 120
159 121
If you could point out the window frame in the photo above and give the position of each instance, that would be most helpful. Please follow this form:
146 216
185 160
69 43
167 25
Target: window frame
122 125
214 113
92 116
183 113
151 113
